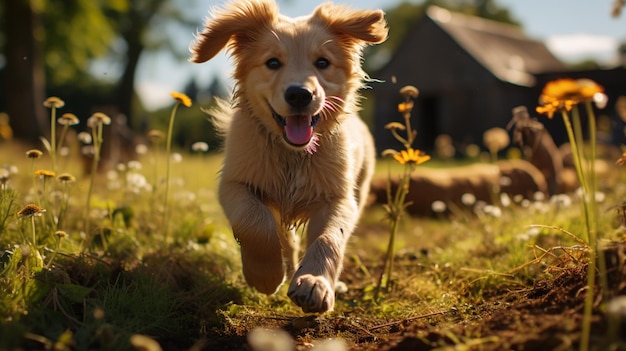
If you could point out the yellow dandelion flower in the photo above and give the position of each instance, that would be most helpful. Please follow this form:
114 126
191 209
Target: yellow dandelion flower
54 101
44 173
34 153
30 210
68 119
409 91
562 94
405 107
410 156
181 98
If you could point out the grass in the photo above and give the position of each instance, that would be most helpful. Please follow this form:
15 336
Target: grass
188 292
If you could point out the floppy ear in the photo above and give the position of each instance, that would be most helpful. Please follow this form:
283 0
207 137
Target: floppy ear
368 26
236 23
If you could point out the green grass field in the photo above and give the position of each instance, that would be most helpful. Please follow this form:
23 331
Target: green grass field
85 277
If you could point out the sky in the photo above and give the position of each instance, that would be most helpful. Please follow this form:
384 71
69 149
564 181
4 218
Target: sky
572 29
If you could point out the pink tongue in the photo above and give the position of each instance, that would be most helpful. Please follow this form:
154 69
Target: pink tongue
298 129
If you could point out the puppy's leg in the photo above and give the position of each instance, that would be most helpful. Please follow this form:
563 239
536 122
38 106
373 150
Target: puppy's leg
255 228
313 285
290 244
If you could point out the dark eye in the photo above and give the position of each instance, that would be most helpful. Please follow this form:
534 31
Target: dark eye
273 63
322 63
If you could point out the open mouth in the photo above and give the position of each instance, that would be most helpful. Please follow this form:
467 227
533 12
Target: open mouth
298 128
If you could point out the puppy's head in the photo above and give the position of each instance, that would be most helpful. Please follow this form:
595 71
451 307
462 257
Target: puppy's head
299 76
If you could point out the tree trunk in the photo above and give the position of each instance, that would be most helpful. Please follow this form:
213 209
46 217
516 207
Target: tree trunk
25 79
126 86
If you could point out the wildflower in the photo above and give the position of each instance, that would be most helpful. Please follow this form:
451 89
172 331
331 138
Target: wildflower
155 135
409 91
496 139
200 146
68 119
66 178
5 175
61 234
563 94
144 343
134 165
181 98
98 118
468 199
34 154
395 125
53 101
141 149
30 210
177 157
44 173
84 138
438 206
410 156
405 107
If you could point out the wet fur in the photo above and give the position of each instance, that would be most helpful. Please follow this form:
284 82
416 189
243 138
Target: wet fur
269 187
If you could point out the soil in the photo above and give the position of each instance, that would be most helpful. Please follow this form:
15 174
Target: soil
546 316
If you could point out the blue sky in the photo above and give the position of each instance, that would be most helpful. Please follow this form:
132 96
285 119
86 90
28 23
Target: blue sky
572 29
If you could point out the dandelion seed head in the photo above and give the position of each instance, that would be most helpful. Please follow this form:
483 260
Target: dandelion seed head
468 199
505 200
561 200
539 196
134 165
493 211
199 146
88 150
64 151
141 149
600 100
438 206
177 157
84 138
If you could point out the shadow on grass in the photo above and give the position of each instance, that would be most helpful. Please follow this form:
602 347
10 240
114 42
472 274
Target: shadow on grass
87 302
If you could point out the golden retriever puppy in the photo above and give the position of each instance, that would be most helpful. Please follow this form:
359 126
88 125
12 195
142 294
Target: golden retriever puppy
296 153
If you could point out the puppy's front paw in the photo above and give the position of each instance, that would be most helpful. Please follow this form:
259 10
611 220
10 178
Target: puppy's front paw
312 293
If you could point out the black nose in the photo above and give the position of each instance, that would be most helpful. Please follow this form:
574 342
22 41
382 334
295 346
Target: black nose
298 97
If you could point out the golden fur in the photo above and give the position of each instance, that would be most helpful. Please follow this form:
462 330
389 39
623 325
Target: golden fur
295 151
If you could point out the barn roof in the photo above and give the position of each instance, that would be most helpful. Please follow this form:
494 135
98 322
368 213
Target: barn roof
501 48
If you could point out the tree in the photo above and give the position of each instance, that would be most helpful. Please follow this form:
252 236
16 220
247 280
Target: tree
25 82
54 42
140 26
